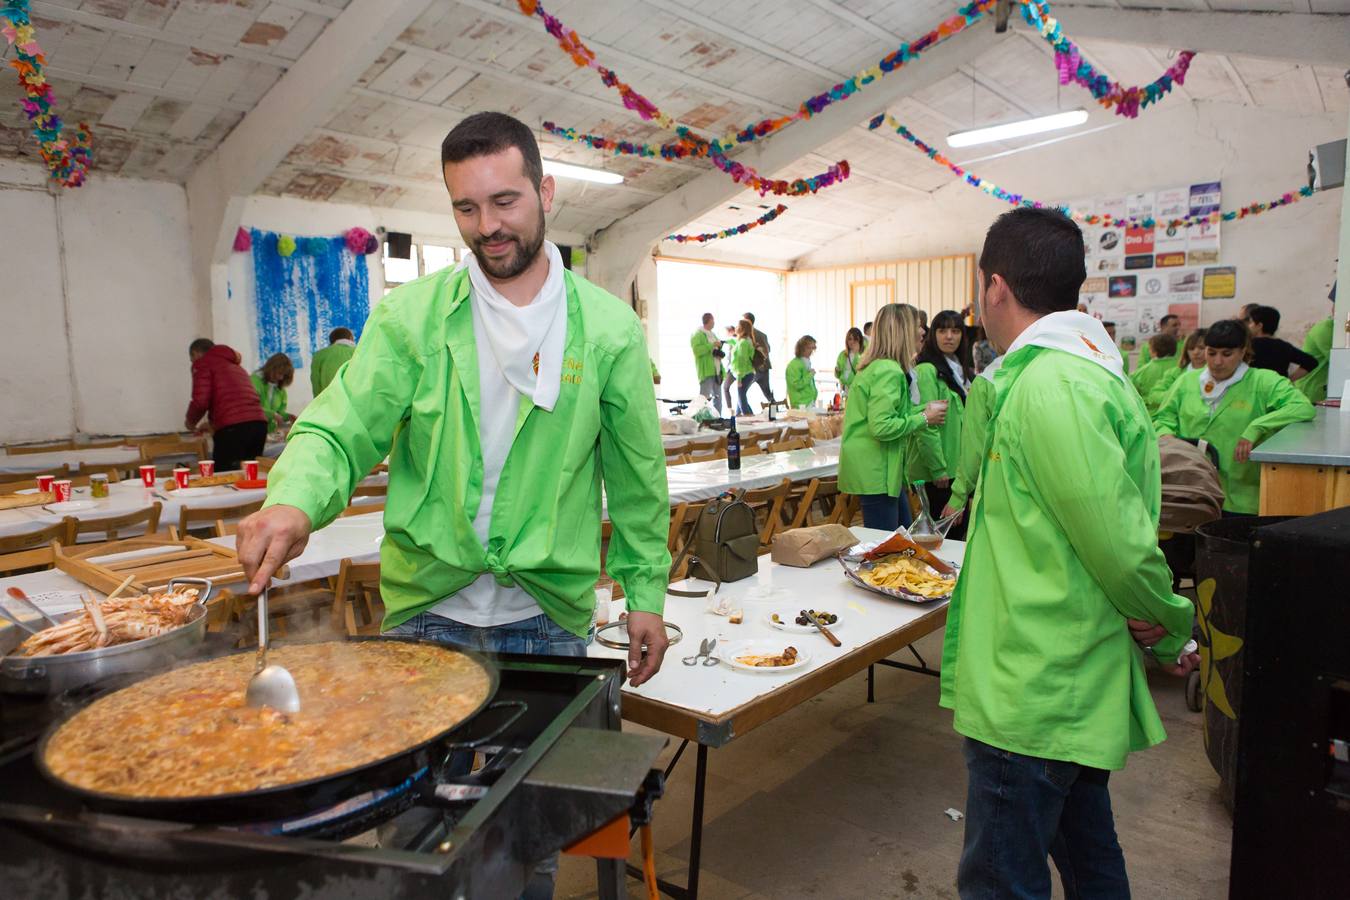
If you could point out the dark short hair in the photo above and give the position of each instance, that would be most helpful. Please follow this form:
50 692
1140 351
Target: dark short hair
340 334
707 316
486 133
1039 253
1229 334
1268 317
750 316
1168 318
1108 324
867 325
1162 345
201 345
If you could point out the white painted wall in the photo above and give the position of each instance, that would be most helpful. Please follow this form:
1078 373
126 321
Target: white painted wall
1285 258
106 353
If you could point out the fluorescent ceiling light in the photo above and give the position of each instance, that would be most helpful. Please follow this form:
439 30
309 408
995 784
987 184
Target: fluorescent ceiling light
1020 128
582 173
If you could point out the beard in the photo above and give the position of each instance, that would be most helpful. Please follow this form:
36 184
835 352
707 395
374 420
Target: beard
526 250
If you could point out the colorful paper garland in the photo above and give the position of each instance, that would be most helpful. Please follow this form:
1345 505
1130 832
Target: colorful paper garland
1127 101
727 232
690 145
67 159
993 190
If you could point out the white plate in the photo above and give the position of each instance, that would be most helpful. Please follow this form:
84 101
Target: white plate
193 492
70 506
728 653
789 623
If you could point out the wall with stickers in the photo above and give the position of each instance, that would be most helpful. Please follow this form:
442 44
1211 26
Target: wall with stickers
1284 258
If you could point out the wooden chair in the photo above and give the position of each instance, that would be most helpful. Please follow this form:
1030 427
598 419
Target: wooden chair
682 459
792 443
164 452
751 448
821 494
845 509
682 520
114 474
33 549
19 481
675 450
361 510
52 446
112 528
371 490
770 501
215 517
358 585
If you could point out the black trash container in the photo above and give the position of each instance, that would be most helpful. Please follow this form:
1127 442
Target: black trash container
1221 555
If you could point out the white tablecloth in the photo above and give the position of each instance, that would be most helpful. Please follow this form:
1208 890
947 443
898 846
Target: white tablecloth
717 690
49 462
703 480
750 429
129 496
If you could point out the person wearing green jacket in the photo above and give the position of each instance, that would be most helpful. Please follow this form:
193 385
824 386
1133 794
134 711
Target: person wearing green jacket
801 378
1160 368
707 365
1318 345
846 364
1061 571
1190 358
506 394
1234 407
942 373
974 434
880 417
326 362
743 364
271 382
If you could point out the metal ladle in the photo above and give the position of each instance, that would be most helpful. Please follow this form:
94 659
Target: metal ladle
270 685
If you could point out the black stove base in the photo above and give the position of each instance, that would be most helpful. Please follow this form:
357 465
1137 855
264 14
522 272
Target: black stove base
560 770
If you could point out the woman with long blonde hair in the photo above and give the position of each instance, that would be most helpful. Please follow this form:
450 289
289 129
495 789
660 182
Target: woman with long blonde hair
881 418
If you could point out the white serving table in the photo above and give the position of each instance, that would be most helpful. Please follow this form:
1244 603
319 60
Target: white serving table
712 706
752 428
696 481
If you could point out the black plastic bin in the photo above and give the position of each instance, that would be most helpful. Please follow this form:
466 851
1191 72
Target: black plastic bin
1221 555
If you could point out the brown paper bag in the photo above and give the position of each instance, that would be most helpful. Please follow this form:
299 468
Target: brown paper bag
806 546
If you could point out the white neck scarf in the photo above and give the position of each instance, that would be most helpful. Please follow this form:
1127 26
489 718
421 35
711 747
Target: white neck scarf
1212 391
989 370
526 341
711 337
1075 333
346 342
913 387
960 374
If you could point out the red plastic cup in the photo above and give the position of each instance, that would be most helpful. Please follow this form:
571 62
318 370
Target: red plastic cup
148 476
251 470
207 467
45 483
180 476
61 487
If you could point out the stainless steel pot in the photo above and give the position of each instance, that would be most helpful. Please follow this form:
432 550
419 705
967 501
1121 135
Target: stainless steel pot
54 674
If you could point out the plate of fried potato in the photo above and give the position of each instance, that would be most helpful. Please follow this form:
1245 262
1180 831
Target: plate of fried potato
899 575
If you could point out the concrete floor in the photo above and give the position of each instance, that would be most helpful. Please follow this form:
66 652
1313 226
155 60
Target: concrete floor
844 799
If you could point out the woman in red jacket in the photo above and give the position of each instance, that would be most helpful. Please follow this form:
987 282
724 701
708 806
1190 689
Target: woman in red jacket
222 389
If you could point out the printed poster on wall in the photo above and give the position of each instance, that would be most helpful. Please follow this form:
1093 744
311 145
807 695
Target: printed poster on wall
1202 244
1139 248
1172 203
1188 313
1150 311
1139 206
1205 198
1169 246
1220 283
1120 286
1185 283
1152 285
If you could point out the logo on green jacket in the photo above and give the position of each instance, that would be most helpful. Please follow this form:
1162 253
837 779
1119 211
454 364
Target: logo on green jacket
572 370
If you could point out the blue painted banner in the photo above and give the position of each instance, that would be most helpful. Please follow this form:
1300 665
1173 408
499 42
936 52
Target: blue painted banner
324 279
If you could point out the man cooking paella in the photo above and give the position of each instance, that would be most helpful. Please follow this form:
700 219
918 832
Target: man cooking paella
504 392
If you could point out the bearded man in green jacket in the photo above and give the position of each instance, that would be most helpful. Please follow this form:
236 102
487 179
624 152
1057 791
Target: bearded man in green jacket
1062 569
504 392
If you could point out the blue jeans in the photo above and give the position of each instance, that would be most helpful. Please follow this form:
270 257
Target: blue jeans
742 386
709 387
884 511
1021 809
539 635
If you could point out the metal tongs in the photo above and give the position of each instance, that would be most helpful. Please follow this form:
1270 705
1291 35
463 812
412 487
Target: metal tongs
270 685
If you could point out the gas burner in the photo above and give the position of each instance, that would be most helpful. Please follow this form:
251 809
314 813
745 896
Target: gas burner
539 790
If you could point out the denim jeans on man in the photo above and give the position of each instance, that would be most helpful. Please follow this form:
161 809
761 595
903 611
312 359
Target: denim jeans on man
539 635
884 511
710 387
1021 809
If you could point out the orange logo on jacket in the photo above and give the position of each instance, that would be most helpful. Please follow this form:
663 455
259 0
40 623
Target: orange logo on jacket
1091 346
